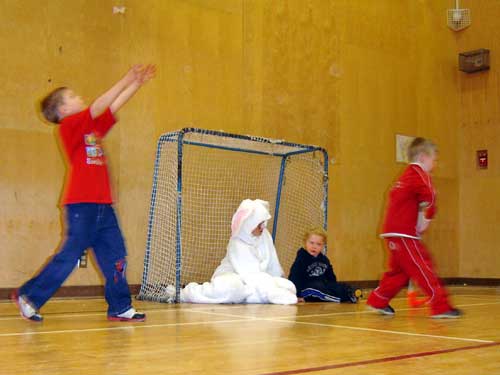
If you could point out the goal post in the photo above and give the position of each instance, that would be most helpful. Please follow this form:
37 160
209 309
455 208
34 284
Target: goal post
200 178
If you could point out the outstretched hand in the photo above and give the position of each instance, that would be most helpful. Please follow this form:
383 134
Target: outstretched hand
145 73
140 74
132 74
123 90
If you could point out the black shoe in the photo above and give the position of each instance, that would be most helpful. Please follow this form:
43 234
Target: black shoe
388 310
355 295
311 293
450 314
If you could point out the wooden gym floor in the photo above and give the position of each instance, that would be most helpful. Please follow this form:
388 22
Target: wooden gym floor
322 338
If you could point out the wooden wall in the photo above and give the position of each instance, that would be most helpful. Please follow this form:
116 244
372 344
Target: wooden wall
345 75
479 128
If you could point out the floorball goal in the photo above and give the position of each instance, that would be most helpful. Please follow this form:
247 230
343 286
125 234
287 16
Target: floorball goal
200 178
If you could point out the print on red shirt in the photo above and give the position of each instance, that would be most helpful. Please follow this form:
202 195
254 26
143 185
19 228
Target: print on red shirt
95 153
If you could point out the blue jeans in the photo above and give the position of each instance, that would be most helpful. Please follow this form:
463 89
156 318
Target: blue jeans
88 225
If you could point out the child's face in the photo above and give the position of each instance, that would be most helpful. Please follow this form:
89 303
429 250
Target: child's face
72 104
314 244
259 229
428 161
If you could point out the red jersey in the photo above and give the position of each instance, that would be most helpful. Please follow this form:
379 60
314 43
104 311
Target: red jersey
87 179
412 191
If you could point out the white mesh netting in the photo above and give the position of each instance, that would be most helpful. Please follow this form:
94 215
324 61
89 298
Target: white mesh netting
218 171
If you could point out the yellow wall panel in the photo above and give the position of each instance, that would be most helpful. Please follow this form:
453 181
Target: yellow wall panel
479 128
345 75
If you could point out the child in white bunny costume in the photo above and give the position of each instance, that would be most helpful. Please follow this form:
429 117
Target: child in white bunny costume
250 272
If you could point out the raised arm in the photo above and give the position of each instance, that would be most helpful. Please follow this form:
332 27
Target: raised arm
142 76
122 90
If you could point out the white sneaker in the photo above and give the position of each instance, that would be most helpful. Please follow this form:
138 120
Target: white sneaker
25 308
128 316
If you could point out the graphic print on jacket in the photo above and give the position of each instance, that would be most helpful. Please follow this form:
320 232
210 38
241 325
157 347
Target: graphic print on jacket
316 269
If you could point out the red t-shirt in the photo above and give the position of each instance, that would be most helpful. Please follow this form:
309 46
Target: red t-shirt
411 191
87 179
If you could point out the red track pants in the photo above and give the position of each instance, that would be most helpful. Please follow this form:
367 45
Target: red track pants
410 259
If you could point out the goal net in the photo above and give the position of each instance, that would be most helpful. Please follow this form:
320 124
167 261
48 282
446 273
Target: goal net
201 177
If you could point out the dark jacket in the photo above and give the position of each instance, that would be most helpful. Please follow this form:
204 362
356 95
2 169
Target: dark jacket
307 269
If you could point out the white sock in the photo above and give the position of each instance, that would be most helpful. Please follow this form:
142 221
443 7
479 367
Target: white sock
128 314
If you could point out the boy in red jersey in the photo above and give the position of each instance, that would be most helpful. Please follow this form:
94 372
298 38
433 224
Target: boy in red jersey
90 218
412 205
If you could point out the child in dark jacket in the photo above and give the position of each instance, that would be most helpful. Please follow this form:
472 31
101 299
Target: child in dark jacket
313 276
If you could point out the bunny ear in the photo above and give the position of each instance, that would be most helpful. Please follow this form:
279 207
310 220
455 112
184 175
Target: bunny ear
238 218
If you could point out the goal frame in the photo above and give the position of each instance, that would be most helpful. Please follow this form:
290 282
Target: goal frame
179 137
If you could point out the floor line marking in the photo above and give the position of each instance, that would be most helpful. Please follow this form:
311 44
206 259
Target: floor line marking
371 311
121 328
239 320
384 331
381 360
247 317
168 310
280 320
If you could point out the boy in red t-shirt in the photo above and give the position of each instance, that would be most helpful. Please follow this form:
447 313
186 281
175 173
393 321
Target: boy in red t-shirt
412 205
90 218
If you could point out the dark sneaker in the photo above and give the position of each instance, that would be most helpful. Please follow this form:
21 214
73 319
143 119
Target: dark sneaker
128 316
388 310
27 311
355 295
450 314
317 294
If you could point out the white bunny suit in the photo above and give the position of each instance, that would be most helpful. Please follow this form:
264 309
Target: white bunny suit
250 272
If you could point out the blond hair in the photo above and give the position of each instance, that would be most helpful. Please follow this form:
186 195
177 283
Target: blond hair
318 231
420 146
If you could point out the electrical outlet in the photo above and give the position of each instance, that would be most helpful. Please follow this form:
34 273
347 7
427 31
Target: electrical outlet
83 260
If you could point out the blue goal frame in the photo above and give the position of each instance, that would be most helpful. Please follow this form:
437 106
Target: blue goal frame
179 137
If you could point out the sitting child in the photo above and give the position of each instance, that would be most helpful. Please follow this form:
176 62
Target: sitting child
250 272
313 276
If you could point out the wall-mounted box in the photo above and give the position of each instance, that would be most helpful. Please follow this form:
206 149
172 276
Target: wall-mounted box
474 61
